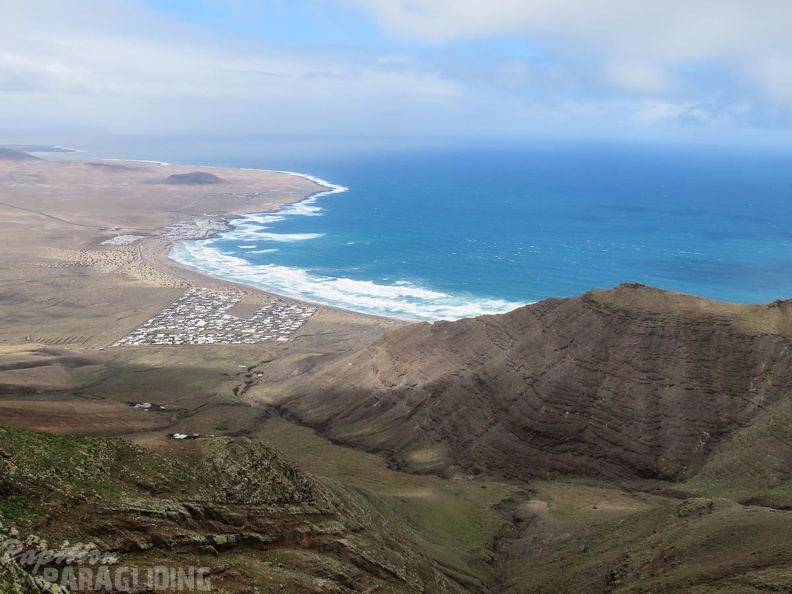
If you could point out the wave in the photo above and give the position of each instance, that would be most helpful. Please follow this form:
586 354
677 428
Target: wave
331 187
135 160
250 227
401 299
304 208
262 219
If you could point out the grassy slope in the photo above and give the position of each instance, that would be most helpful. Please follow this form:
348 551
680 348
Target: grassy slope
455 521
237 506
756 464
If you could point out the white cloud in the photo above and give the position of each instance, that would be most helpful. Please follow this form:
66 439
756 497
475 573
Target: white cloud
607 68
640 78
132 69
665 111
639 43
674 28
773 73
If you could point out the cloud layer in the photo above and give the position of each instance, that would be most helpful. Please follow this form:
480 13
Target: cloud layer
504 67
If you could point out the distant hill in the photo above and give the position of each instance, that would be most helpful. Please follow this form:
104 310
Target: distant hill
15 155
111 166
629 383
196 178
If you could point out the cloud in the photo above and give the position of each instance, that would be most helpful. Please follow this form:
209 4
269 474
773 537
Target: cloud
664 111
640 78
640 45
461 67
674 28
132 68
19 73
773 74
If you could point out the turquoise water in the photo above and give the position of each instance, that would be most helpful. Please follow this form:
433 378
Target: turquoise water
455 232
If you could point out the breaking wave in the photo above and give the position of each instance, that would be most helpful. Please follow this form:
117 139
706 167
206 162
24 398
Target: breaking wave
401 299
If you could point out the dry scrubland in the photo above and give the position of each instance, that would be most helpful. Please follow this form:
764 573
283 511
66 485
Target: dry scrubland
624 441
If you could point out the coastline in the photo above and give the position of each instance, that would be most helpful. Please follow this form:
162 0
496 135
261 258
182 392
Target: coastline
400 300
66 299
57 212
169 265
154 252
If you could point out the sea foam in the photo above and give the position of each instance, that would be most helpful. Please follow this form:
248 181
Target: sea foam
400 298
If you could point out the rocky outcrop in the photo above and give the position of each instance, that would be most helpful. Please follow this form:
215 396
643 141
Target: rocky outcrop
234 506
633 382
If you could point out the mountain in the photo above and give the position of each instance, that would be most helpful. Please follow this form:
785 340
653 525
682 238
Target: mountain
632 383
631 440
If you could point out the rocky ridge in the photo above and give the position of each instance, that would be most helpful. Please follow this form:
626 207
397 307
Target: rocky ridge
630 383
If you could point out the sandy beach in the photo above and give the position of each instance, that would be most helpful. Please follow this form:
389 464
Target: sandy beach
62 276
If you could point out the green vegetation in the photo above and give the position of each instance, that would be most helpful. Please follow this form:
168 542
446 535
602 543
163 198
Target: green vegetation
755 464
212 502
455 521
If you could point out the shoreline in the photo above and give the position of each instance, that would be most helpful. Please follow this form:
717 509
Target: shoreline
217 209
178 272
228 223
109 198
402 301
76 290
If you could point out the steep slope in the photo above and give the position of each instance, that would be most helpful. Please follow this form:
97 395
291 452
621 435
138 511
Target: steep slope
699 545
236 507
633 382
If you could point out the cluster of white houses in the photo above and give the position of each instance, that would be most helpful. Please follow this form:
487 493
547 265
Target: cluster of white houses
197 228
201 316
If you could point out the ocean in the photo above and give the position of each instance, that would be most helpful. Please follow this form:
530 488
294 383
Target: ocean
460 230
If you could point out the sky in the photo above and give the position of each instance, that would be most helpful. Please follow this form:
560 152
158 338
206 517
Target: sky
710 71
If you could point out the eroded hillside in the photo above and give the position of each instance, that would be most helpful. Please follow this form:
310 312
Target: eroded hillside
236 507
629 383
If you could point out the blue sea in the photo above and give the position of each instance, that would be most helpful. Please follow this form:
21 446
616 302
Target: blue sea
458 230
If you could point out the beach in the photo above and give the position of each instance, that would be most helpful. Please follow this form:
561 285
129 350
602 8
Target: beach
86 243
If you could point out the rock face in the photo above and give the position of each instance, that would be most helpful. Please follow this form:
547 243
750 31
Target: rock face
632 383
14 155
196 178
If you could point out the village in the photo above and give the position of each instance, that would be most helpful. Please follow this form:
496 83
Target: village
201 316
